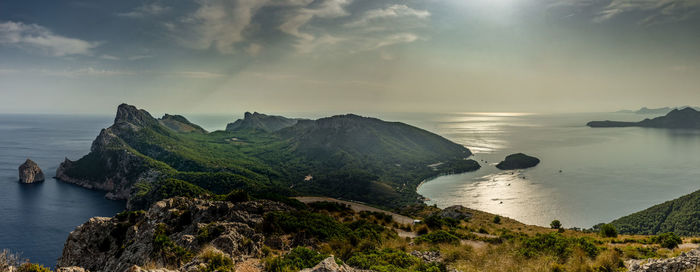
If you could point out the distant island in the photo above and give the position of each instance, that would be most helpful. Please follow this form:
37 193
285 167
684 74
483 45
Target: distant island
518 161
687 118
660 111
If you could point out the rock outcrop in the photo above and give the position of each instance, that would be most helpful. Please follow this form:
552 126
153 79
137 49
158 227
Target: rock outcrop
172 234
329 265
518 161
112 165
456 212
687 261
29 172
180 124
259 121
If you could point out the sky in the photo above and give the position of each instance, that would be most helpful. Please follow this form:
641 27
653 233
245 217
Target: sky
230 56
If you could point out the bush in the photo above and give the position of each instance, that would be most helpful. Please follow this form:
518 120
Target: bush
391 260
297 259
557 245
167 249
497 219
216 261
209 232
316 225
236 196
555 224
438 237
30 267
668 240
608 230
329 206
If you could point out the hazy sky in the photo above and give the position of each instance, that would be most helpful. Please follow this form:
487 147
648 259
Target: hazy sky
228 56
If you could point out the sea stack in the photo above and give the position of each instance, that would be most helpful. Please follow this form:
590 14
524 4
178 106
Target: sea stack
29 172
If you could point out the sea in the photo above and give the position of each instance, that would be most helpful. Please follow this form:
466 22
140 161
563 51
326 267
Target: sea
587 175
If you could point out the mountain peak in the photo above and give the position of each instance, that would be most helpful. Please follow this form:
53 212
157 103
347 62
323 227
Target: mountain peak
130 114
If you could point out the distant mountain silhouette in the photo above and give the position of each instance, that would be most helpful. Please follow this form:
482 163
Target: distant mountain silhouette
677 118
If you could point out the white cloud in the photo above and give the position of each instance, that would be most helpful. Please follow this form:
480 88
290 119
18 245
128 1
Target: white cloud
397 39
146 10
300 17
33 38
109 57
393 11
646 12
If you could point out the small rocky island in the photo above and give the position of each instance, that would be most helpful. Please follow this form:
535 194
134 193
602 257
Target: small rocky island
687 118
29 172
518 161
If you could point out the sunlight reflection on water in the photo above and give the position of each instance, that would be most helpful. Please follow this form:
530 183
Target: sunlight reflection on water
587 176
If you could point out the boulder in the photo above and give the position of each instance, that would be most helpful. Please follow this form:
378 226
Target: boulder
329 265
518 161
29 172
687 261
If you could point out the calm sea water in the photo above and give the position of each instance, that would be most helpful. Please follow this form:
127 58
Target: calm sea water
35 219
605 172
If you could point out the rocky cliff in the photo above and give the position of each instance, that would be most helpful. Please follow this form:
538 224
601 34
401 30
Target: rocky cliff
112 165
29 172
182 234
259 121
180 124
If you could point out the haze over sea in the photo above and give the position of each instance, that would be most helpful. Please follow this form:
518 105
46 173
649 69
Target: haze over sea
605 173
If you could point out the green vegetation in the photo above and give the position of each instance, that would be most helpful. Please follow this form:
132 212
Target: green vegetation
216 261
555 224
30 267
680 216
668 240
557 245
297 259
608 230
438 237
346 156
388 260
166 249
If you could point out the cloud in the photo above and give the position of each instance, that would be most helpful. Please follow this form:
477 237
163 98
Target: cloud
254 49
393 11
300 17
139 57
35 38
199 75
397 39
145 10
645 12
89 71
109 57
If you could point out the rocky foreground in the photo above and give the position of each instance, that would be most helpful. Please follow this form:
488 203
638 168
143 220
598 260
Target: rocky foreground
178 234
687 261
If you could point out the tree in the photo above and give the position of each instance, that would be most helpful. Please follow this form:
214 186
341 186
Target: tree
608 230
555 224
497 219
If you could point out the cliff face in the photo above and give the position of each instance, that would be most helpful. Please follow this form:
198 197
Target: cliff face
180 124
29 172
259 121
112 165
175 233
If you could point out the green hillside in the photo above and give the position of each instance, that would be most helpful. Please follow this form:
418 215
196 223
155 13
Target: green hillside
680 216
348 156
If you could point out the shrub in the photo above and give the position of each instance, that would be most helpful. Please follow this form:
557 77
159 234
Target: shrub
297 259
329 206
668 240
216 261
555 224
608 230
391 260
438 237
236 196
557 245
316 225
497 219
30 267
167 249
209 232
695 241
